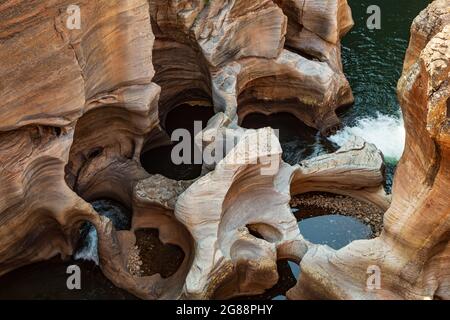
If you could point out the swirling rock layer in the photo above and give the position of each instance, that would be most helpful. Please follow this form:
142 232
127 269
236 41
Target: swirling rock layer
80 105
233 54
54 79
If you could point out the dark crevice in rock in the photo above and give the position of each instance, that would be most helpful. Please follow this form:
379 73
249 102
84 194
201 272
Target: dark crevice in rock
159 160
435 166
285 282
95 152
37 133
254 232
302 53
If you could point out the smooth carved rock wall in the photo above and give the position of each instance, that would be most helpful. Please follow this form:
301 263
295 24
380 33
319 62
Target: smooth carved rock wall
57 70
77 97
233 55
79 106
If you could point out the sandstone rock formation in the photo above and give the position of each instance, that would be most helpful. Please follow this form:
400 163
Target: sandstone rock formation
79 107
243 194
235 56
412 252
62 92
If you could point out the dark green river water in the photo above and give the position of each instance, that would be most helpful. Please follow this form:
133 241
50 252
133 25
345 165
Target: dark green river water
373 61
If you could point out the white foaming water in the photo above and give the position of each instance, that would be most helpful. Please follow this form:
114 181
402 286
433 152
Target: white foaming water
89 251
386 132
114 212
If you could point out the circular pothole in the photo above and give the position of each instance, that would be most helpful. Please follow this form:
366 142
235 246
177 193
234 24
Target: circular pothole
150 256
159 160
323 212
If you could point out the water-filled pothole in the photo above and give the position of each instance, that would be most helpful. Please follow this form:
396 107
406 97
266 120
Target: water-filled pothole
159 160
151 256
334 220
316 204
327 219
298 141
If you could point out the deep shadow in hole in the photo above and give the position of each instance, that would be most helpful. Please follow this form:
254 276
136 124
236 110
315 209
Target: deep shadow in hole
264 231
118 213
159 161
254 232
156 256
95 152
448 109
120 216
299 142
47 281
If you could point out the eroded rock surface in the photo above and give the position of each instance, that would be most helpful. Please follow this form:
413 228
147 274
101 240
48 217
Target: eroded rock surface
244 56
80 106
412 252
63 92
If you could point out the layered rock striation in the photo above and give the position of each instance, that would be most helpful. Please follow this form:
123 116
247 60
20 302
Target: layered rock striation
63 91
412 253
80 105
248 56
